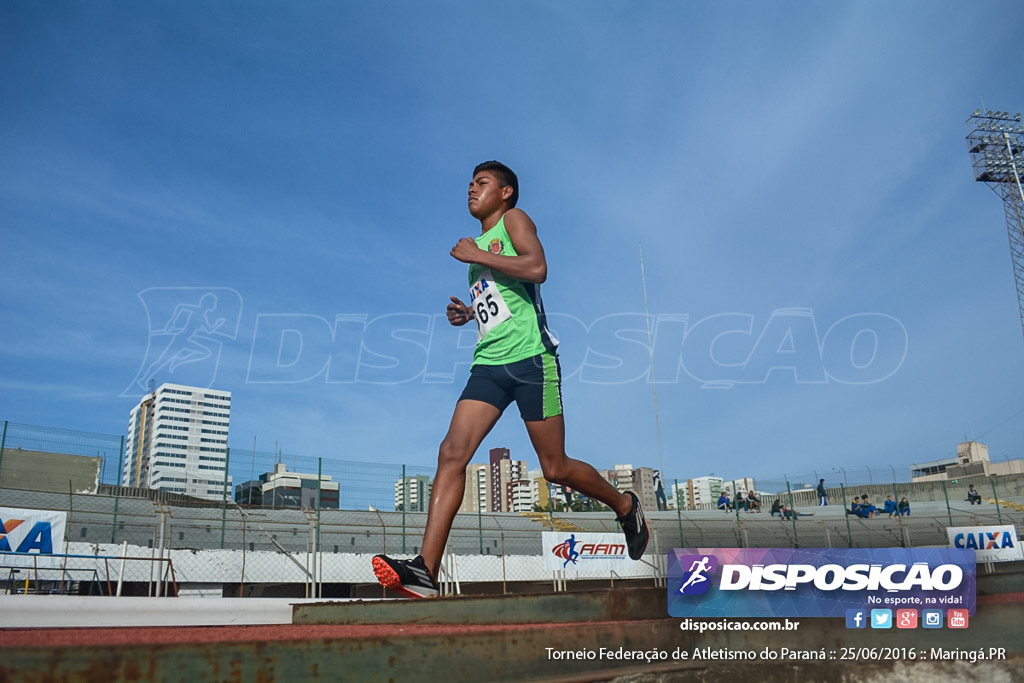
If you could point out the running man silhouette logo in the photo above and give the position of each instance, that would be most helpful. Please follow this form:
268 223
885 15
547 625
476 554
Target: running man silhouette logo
567 550
188 327
695 579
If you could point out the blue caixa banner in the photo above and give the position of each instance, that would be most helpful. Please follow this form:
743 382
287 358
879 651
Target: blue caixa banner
816 582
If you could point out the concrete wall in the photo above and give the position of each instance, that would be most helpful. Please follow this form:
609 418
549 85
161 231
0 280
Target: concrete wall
53 472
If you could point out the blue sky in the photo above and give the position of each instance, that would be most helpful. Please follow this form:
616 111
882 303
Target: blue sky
828 284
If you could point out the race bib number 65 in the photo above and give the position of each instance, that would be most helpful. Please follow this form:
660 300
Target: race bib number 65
489 307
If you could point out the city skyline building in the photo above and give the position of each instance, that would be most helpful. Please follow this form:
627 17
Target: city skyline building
643 485
282 488
177 441
415 489
623 477
540 489
971 460
476 495
703 491
508 483
742 484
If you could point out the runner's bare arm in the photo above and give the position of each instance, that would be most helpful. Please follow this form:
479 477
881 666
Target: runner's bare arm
529 265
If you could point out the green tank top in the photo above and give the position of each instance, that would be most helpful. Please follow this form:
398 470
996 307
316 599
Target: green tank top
511 324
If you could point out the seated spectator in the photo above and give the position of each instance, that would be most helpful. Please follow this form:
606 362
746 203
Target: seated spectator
856 508
972 495
741 503
793 514
776 507
724 503
904 507
890 506
753 502
866 505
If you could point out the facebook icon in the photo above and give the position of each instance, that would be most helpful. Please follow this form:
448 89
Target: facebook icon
856 618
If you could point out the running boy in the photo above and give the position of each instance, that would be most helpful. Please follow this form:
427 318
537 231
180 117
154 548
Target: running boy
515 360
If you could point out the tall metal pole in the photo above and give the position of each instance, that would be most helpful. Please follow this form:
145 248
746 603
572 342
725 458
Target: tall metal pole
654 383
405 504
3 442
224 497
117 496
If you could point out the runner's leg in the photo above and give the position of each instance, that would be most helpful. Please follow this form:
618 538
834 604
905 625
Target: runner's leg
548 438
471 422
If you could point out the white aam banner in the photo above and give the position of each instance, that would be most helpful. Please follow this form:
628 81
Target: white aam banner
27 534
989 543
590 553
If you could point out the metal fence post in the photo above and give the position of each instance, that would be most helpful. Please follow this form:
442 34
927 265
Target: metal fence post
318 557
504 575
3 442
796 541
735 504
849 531
224 497
945 494
995 496
405 504
679 515
117 491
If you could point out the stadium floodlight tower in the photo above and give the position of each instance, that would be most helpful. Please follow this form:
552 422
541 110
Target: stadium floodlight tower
995 140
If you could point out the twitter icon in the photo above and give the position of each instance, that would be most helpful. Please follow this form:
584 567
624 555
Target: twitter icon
881 618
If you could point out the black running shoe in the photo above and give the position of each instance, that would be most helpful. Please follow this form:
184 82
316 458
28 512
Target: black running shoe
634 525
408 577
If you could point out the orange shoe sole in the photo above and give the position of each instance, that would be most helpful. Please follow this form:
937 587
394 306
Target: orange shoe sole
389 579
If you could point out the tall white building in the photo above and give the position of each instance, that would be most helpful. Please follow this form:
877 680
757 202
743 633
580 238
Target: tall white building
744 485
418 488
540 488
624 477
178 441
702 492
474 499
519 494
644 487
509 485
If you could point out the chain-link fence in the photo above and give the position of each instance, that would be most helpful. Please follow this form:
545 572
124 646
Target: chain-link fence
28 460
239 551
834 477
346 512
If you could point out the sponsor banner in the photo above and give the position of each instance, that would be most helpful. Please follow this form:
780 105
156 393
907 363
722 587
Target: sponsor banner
27 533
585 552
816 582
989 543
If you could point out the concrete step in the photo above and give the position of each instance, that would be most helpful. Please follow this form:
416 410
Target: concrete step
459 640
632 604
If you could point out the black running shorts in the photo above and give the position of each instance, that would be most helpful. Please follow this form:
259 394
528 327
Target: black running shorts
535 384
